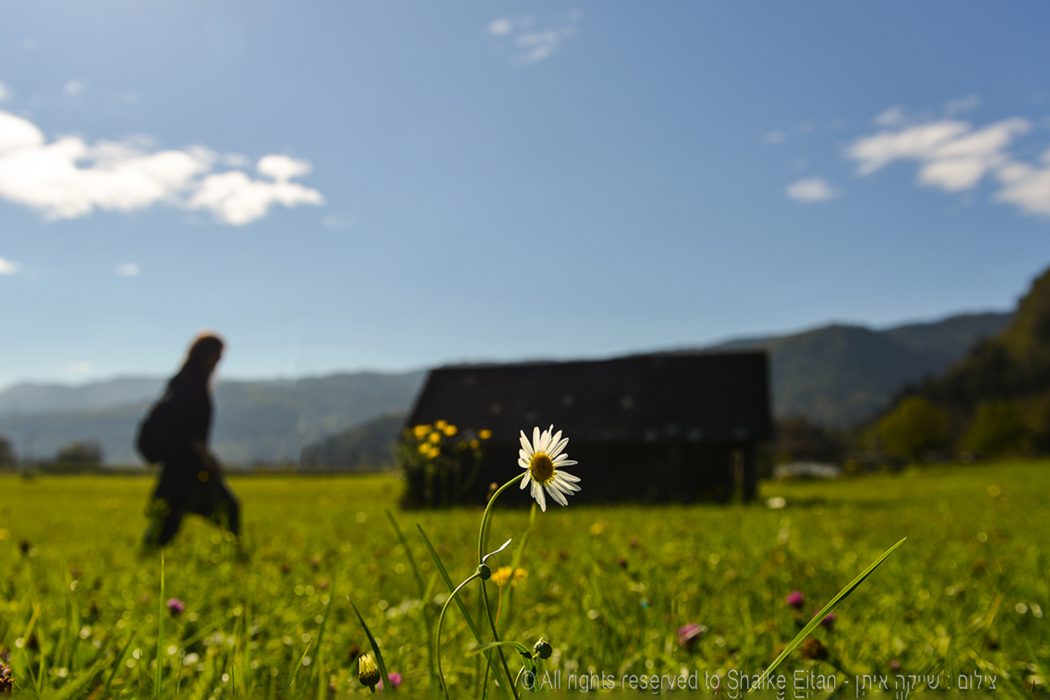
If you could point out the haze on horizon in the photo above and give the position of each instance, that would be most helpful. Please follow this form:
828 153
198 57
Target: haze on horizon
350 186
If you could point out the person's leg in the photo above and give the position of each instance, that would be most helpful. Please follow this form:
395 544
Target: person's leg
164 521
222 508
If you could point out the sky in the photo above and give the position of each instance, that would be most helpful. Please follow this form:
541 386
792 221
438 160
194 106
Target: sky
363 185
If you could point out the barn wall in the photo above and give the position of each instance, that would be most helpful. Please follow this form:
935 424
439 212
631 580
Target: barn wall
630 472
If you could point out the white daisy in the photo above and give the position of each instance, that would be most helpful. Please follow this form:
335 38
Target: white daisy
542 460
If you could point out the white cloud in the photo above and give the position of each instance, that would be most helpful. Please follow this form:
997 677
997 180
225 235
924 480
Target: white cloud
5 92
1026 187
73 88
282 168
500 26
966 103
810 190
68 178
8 267
235 199
129 270
775 137
961 163
955 157
891 116
916 142
531 43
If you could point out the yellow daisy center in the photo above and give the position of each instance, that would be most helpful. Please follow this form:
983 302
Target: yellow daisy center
541 467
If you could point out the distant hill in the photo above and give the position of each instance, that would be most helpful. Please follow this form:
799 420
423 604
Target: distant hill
256 421
366 446
836 375
35 397
994 401
840 375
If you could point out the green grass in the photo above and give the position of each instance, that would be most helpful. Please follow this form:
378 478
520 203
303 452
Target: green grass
607 586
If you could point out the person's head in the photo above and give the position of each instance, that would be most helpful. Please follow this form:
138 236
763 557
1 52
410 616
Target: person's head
205 353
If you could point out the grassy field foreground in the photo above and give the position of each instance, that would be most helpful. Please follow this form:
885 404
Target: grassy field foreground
608 586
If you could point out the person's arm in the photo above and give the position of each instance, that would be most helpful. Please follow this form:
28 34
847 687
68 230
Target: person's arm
210 462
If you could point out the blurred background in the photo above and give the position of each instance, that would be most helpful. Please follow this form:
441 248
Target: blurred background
354 193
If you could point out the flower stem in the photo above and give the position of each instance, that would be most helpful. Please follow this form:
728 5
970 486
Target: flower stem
441 622
482 533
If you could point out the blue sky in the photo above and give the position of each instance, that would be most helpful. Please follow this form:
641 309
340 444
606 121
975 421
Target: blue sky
345 185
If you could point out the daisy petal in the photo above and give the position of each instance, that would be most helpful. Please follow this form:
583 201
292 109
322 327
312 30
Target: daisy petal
537 493
523 463
526 447
568 477
566 486
554 483
536 439
559 445
557 495
525 481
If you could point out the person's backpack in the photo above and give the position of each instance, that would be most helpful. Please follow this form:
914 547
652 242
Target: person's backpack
154 431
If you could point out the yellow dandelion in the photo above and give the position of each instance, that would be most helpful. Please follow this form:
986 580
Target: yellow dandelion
435 437
507 574
449 430
440 424
420 431
475 444
484 433
424 449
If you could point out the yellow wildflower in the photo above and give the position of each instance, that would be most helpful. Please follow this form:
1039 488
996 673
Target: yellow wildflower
505 574
484 433
420 431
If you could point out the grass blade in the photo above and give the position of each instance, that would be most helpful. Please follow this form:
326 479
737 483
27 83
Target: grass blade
118 665
160 632
459 601
295 671
448 582
831 605
427 621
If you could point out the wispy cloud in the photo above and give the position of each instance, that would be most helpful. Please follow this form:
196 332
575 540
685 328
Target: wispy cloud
532 42
775 137
8 267
129 270
5 92
811 190
893 115
73 88
955 156
966 103
80 368
67 178
335 222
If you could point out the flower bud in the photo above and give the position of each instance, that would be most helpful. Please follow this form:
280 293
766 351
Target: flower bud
542 648
367 670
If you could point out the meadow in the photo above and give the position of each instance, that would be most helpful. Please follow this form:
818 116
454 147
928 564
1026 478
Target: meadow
81 612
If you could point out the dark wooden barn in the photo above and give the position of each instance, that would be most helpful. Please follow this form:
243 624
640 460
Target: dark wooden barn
662 427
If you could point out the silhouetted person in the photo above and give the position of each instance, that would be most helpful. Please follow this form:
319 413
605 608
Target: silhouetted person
191 477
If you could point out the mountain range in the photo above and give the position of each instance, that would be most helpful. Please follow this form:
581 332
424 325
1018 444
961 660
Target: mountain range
836 375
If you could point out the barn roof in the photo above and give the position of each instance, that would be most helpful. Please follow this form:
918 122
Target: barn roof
698 396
